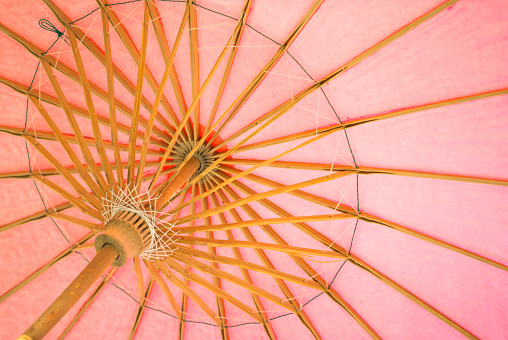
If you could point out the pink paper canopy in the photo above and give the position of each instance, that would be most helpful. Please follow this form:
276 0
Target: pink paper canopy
384 128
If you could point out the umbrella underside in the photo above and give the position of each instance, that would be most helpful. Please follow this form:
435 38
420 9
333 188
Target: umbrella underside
315 169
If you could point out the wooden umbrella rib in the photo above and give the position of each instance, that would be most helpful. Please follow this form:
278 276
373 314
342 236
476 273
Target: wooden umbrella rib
179 283
69 197
91 108
278 191
99 54
75 128
139 278
371 218
65 144
298 251
353 122
362 170
266 261
160 91
162 284
34 217
199 280
231 278
354 260
292 219
227 70
41 270
164 47
297 98
136 56
194 65
216 280
137 98
141 309
88 302
88 225
111 96
308 269
72 181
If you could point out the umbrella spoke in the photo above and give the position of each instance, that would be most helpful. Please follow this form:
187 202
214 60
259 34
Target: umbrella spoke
41 270
66 174
141 308
185 288
75 128
361 170
160 93
308 269
266 261
73 75
165 289
278 191
354 122
137 99
227 70
194 66
199 280
88 225
69 197
139 278
373 219
297 251
99 54
164 47
108 62
91 108
216 280
286 106
231 278
88 302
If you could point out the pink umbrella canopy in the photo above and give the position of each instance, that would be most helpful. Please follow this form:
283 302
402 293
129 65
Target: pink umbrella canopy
349 179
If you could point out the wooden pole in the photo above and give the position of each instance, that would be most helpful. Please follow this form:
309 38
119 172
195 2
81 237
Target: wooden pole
102 260
176 183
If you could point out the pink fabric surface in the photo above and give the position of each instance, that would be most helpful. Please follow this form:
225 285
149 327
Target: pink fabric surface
462 51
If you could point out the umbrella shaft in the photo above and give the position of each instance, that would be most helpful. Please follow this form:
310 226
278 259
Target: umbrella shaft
102 260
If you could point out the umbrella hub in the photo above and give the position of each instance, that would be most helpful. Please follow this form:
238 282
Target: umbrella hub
204 154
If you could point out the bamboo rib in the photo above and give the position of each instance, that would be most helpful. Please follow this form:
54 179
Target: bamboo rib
297 251
197 279
216 281
141 308
231 278
69 197
91 108
99 54
83 309
356 261
135 54
361 170
160 92
308 269
177 282
371 218
164 47
351 123
88 225
108 62
227 70
137 100
280 190
139 278
37 216
68 138
76 129
194 62
281 109
65 144
292 219
246 275
70 179
41 270
22 89
165 289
